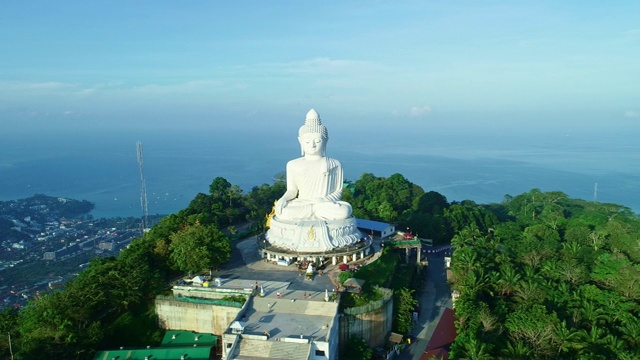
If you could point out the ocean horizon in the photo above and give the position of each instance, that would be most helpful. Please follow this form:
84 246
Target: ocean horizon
102 167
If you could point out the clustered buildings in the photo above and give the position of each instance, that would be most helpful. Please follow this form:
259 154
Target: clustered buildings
34 230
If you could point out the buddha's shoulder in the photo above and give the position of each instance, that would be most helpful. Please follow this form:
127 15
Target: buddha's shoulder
333 162
301 161
295 161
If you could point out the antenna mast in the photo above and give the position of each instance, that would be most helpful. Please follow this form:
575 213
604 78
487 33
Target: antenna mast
143 190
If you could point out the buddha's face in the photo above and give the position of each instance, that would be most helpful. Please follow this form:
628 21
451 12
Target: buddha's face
312 144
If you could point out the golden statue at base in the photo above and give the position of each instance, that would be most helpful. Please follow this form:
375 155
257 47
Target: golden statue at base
270 215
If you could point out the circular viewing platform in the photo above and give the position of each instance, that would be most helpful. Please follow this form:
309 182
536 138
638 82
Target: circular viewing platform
285 257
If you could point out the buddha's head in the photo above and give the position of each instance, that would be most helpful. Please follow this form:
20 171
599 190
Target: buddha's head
313 136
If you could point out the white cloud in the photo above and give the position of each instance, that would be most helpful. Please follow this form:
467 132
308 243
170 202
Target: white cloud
41 87
418 111
323 65
84 92
177 88
50 85
631 114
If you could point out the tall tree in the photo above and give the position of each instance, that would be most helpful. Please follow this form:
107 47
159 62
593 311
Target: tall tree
406 305
199 247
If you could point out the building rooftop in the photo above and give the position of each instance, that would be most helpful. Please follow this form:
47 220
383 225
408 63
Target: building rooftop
249 349
444 333
291 315
372 225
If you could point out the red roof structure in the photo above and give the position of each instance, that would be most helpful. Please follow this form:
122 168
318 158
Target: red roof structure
443 336
439 354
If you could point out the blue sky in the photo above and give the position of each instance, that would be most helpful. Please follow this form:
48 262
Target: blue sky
204 64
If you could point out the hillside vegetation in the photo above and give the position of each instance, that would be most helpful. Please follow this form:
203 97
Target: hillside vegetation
540 275
548 278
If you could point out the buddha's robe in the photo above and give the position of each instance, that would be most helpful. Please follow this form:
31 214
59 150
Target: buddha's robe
314 188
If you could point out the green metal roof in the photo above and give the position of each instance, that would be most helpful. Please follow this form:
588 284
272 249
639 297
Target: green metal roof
182 338
175 345
405 242
163 353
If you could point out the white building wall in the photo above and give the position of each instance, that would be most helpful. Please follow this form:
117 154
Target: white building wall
319 346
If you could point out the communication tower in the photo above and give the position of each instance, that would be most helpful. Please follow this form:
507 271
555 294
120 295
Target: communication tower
143 190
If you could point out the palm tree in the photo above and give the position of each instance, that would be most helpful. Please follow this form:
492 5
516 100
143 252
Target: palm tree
566 339
488 321
464 260
551 268
630 330
591 314
560 292
528 291
517 350
614 344
571 249
530 272
503 257
507 280
592 339
466 236
474 282
476 350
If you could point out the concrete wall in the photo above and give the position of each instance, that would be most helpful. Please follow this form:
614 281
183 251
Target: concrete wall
208 292
179 315
373 326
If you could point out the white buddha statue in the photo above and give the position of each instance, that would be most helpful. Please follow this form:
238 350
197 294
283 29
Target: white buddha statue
309 217
314 181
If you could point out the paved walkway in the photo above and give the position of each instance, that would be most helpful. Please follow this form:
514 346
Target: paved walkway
246 263
247 254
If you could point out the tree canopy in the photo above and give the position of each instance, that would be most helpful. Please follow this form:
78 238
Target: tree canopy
398 201
199 247
555 278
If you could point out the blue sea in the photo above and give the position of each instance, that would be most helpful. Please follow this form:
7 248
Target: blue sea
102 166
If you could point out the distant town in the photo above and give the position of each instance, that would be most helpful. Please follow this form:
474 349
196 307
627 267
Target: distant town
47 240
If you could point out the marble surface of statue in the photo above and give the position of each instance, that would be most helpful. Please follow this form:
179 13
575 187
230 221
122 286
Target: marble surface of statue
310 216
314 181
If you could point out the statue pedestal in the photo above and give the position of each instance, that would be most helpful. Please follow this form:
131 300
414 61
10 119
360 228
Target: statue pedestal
313 236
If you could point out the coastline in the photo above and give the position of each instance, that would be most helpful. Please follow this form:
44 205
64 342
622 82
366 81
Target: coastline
179 165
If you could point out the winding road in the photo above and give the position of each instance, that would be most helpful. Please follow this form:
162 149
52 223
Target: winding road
435 297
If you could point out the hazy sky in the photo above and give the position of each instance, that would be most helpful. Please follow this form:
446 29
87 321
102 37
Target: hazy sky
137 64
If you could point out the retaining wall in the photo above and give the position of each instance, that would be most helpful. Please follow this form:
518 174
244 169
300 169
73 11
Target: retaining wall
174 314
371 324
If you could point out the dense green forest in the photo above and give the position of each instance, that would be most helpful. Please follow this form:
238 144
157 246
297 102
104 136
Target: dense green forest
540 275
548 277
